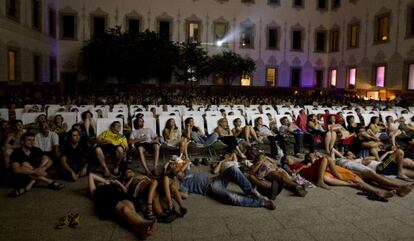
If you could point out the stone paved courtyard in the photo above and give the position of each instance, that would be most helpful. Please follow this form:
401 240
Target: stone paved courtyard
337 214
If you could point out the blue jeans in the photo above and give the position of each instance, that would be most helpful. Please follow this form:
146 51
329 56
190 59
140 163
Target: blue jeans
218 189
205 140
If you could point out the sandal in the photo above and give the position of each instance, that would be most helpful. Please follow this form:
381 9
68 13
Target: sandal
18 192
150 214
56 186
75 221
65 221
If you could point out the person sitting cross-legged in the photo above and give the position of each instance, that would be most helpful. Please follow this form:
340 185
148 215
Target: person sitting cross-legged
145 139
29 165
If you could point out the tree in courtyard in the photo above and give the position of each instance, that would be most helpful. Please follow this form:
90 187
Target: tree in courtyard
230 65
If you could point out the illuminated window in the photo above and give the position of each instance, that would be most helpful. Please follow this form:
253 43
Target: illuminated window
272 38
193 32
271 75
380 75
245 80
353 36
220 31
247 37
352 77
382 28
411 77
36 14
332 77
334 41
12 56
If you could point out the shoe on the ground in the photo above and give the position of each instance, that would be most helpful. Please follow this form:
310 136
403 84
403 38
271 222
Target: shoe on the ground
196 162
205 161
300 191
75 221
268 204
64 221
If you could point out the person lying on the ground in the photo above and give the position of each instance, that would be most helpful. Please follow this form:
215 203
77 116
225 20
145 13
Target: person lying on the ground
110 197
270 179
216 187
356 165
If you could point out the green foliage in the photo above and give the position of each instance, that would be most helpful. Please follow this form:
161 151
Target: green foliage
129 57
193 63
135 57
230 65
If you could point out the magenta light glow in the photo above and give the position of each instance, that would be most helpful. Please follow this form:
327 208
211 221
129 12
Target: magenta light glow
380 76
352 76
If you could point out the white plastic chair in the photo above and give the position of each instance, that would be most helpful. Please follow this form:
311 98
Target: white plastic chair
149 122
231 118
69 117
114 115
4 114
28 118
103 124
212 123
162 120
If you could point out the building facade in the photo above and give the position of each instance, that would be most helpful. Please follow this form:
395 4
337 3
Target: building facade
351 44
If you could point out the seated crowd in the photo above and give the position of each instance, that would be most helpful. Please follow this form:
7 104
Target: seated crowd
262 156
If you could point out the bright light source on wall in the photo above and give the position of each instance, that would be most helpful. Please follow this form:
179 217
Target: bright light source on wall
380 76
352 76
333 77
219 43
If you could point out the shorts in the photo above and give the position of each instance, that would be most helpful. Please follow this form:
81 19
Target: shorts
391 169
149 147
109 149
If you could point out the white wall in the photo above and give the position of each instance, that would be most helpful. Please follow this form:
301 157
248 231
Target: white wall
395 52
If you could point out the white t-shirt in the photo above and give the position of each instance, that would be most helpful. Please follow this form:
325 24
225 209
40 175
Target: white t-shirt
46 143
143 132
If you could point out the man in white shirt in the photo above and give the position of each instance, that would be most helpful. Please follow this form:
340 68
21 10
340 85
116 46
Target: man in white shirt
47 141
144 139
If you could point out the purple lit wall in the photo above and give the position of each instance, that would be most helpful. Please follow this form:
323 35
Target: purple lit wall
411 78
380 76
352 76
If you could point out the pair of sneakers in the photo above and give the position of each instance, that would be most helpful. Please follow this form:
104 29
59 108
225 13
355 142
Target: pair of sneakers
71 220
